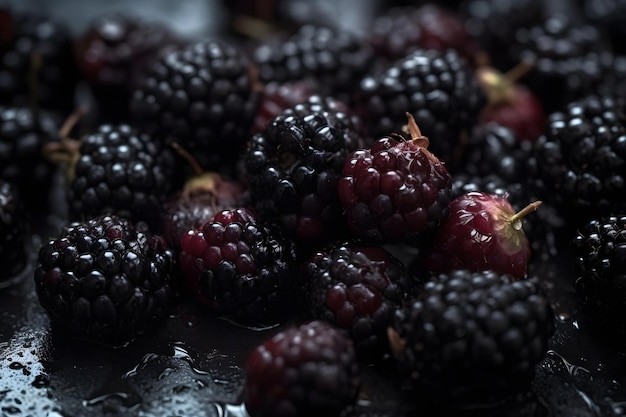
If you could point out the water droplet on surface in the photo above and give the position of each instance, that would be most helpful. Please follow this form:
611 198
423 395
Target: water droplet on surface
16 365
41 381
11 410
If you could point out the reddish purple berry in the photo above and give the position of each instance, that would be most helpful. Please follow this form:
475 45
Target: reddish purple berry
395 191
304 371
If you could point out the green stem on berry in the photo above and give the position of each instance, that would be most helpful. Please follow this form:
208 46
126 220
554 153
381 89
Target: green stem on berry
514 219
517 72
499 87
200 181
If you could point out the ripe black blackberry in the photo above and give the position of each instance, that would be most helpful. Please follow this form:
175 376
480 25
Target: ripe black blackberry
23 135
437 87
105 280
13 230
608 15
293 167
241 267
580 161
118 170
356 288
201 96
333 59
493 24
308 370
566 55
472 337
37 63
112 55
599 250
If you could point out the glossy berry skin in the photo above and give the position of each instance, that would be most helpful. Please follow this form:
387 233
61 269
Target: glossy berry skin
581 160
439 88
599 250
477 235
24 135
122 171
104 280
201 95
356 288
472 337
192 207
308 370
293 166
240 267
394 192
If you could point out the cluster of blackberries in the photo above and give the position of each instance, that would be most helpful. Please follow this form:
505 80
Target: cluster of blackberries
370 193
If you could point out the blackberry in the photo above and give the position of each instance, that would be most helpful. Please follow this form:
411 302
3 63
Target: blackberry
118 170
356 288
493 24
37 50
473 336
493 149
567 59
609 15
333 59
105 280
599 250
542 229
430 26
201 199
306 370
23 135
13 230
240 266
496 161
437 87
277 97
614 77
580 161
201 96
112 55
396 191
293 167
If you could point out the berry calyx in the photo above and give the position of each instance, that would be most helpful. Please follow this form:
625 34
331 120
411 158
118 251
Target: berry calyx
509 103
482 232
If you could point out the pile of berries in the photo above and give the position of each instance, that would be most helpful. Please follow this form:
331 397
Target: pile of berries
373 196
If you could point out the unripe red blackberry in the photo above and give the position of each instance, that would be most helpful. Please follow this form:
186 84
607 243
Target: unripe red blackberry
308 370
356 288
397 191
240 267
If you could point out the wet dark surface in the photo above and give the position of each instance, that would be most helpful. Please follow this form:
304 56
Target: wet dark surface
192 365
